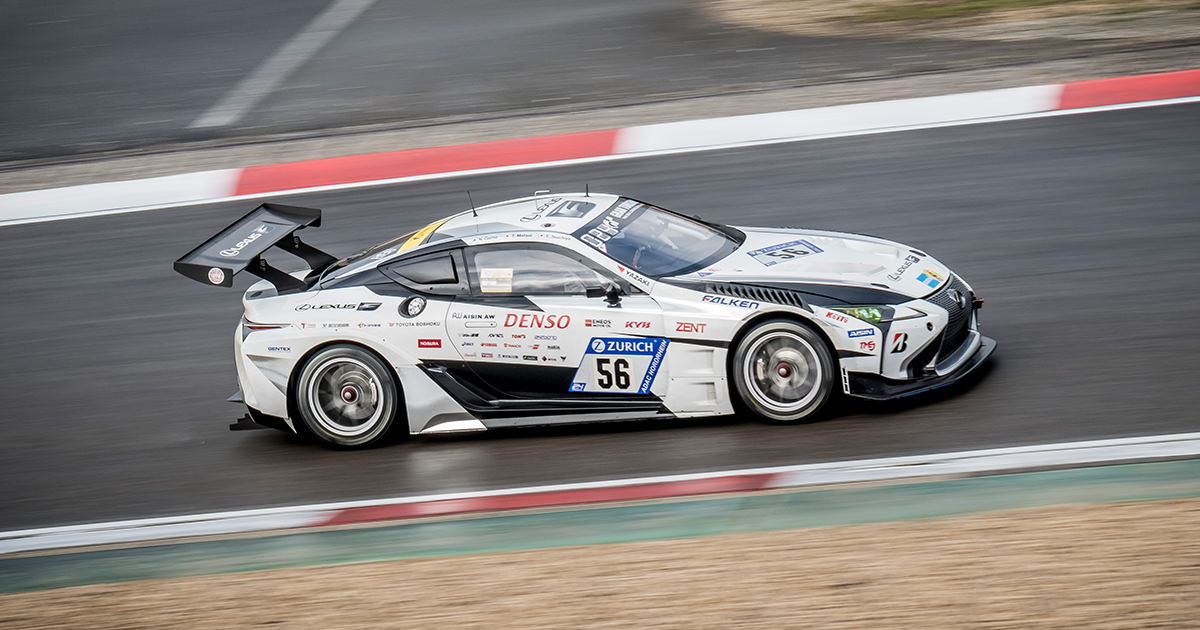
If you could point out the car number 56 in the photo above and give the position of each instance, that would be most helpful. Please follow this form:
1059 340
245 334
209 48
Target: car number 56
617 374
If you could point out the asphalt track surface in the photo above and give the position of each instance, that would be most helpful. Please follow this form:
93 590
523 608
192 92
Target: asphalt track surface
82 76
1080 231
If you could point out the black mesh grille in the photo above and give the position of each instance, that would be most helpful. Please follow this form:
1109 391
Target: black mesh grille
959 324
760 294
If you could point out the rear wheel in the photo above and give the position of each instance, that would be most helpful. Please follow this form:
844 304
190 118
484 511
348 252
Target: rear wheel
347 397
783 371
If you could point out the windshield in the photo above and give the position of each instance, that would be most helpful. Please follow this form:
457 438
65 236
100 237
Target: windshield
657 242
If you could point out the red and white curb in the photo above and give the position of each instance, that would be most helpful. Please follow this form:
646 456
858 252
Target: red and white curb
628 142
990 461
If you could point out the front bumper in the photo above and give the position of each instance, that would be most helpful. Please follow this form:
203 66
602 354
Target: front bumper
875 387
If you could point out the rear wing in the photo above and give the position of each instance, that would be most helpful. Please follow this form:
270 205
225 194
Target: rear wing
240 246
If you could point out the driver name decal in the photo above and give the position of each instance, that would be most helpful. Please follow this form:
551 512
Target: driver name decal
619 366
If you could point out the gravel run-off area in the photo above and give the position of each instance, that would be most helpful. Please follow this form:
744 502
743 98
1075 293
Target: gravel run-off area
1126 565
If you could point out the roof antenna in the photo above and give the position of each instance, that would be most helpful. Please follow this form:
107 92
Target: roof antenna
473 212
586 190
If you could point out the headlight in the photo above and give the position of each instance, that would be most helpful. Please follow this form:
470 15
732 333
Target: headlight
874 315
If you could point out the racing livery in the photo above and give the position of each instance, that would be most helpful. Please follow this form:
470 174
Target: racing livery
580 308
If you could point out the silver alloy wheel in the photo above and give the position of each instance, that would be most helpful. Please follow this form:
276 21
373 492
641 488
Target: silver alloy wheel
345 396
782 371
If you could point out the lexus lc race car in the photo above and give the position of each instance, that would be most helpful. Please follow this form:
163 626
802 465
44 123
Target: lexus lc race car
580 308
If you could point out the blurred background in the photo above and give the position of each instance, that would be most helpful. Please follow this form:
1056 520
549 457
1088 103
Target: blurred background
1080 231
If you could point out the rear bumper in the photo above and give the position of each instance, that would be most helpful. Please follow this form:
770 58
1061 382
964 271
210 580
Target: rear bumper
875 387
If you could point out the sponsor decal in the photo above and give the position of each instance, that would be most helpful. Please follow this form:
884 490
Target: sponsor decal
468 355
469 335
837 317
689 327
619 365
384 254
899 342
546 337
369 325
216 276
637 324
931 278
467 344
869 346
486 355
594 242
429 343
567 209
635 276
536 320
704 273
862 332
530 357
278 349
457 315
336 325
368 306
908 262
518 335
237 248
508 356
404 324
784 252
738 302
326 307
487 344
495 335
597 323
512 345
540 206
553 347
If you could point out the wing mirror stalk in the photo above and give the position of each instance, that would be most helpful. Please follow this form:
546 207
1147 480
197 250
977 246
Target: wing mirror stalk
611 294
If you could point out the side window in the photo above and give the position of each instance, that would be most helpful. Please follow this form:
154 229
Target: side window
436 273
531 271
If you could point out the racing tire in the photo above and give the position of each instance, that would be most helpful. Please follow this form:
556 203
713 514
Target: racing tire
347 397
783 371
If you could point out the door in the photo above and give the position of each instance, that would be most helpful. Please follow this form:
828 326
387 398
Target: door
528 330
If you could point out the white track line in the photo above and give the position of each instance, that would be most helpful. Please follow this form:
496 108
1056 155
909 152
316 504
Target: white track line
988 461
275 70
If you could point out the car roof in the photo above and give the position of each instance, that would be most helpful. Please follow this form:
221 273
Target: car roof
529 216
546 212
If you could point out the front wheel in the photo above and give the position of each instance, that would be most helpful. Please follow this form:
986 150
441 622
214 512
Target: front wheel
783 371
347 397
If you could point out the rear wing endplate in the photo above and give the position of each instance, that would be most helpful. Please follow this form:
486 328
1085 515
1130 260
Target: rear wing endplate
240 246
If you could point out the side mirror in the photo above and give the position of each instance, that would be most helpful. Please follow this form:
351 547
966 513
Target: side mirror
610 293
613 296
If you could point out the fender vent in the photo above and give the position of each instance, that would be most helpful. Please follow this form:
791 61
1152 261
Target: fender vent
758 294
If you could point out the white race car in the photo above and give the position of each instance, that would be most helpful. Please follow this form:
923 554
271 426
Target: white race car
576 308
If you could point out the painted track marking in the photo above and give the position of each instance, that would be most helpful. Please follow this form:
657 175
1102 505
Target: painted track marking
277 68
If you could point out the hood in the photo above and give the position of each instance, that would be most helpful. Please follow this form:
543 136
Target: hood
837 258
